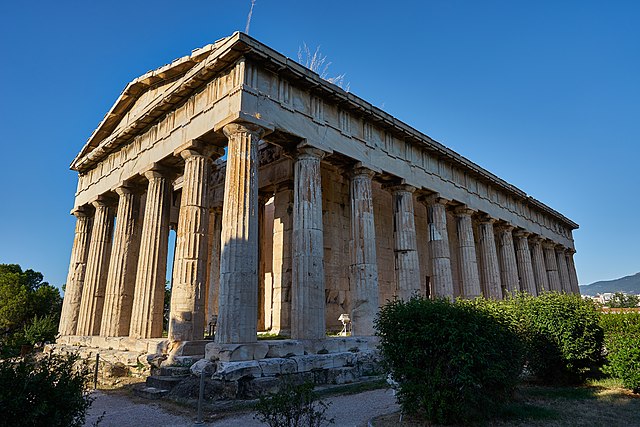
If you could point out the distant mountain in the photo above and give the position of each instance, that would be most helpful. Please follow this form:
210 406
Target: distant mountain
628 284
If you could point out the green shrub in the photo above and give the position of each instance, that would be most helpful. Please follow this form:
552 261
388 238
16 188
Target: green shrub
48 391
622 342
562 335
293 406
453 361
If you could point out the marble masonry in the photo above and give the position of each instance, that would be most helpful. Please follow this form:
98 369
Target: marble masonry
292 202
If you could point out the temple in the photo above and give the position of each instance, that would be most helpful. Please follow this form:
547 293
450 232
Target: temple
293 202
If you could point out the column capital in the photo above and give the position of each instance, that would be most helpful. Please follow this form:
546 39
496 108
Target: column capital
284 185
570 251
548 244
559 248
397 188
434 199
304 151
195 147
81 211
103 201
127 188
535 239
504 228
464 210
486 219
156 170
242 127
359 170
521 234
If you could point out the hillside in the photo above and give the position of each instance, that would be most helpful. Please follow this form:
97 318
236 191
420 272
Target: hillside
628 284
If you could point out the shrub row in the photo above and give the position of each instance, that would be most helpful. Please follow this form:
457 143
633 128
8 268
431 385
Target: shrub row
454 361
622 344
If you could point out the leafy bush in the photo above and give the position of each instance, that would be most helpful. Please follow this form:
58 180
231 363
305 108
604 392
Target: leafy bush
562 335
48 391
622 341
453 361
292 406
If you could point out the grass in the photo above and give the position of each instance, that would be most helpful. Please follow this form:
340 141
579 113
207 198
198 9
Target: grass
599 403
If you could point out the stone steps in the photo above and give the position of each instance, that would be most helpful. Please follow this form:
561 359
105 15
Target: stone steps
163 382
150 392
171 371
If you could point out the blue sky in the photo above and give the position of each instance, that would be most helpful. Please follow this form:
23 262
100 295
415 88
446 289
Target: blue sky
544 94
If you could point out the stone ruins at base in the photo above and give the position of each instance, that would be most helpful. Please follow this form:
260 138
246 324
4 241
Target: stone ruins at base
293 202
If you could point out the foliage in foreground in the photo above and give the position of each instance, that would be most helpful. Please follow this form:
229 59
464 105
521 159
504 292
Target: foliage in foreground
452 361
29 309
293 406
562 336
622 341
49 391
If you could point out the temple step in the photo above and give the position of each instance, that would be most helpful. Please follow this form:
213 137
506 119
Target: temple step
163 382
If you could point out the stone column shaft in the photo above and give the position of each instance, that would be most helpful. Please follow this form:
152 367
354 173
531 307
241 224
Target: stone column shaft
439 253
468 260
97 269
563 270
75 278
489 258
188 299
405 248
308 299
551 264
118 304
148 299
238 297
573 276
539 267
214 269
364 266
509 267
525 265
282 231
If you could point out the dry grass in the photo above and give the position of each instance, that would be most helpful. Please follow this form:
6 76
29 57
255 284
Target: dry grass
601 403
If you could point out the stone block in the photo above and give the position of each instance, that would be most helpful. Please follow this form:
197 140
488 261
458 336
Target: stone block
271 367
202 365
233 371
236 352
257 387
285 348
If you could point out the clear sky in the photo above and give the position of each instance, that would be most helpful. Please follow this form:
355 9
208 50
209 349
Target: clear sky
545 94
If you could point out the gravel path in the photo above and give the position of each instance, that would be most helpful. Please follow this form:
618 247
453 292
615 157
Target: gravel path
348 411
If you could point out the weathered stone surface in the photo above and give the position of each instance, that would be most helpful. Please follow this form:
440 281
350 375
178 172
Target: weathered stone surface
233 371
489 259
525 264
439 252
470 276
539 267
285 348
563 270
551 263
509 269
203 365
308 297
236 352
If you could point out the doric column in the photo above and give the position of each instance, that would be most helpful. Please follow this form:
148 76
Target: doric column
215 227
539 266
405 249
551 263
77 268
308 300
439 253
118 303
238 297
563 270
467 253
187 314
509 268
97 269
281 268
573 276
525 266
364 266
148 299
489 259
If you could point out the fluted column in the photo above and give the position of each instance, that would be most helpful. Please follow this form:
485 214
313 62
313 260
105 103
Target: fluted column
77 268
148 299
282 267
405 246
563 270
97 269
364 266
525 265
509 268
187 314
489 259
118 303
573 276
467 252
539 266
238 297
551 264
308 300
214 268
439 252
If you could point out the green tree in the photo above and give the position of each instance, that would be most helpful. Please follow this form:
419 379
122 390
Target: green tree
620 300
29 307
